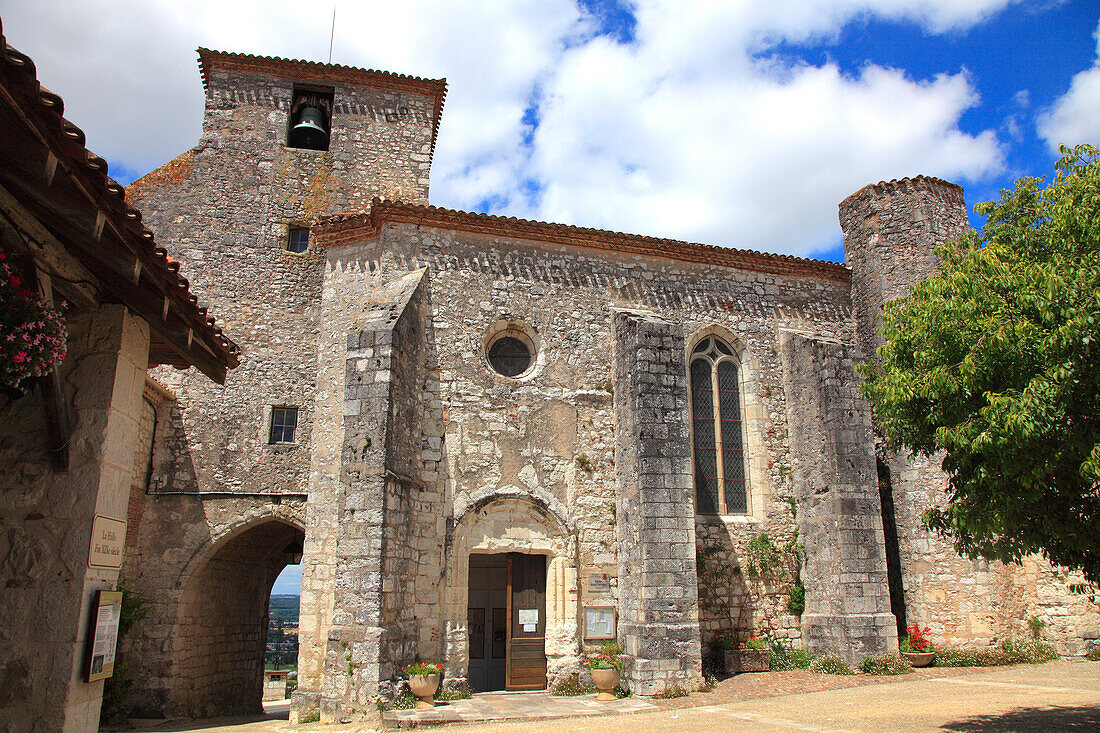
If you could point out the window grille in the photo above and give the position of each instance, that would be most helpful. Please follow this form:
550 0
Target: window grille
721 481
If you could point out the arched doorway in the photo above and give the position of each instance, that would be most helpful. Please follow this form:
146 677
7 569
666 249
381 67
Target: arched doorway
222 631
512 551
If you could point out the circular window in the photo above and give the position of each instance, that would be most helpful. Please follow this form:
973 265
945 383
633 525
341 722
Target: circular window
510 356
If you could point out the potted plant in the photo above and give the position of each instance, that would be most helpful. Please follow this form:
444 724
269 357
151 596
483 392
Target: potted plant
424 681
750 655
32 333
604 668
917 647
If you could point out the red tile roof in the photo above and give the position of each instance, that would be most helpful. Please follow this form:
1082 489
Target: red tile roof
326 73
353 227
37 124
171 174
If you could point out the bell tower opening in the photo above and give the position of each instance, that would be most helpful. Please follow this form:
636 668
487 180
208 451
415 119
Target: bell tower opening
310 118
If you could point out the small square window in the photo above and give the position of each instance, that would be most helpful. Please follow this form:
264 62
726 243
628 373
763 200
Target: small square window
297 239
284 421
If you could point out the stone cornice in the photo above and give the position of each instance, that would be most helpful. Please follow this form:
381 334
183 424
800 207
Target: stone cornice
348 228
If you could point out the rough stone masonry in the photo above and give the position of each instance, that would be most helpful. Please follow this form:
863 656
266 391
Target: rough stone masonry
470 385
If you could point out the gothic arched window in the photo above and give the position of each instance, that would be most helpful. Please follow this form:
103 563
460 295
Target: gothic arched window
720 481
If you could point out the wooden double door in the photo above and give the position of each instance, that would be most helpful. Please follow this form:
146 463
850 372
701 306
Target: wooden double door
506 619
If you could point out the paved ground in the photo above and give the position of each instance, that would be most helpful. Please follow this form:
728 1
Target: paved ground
1060 696
513 705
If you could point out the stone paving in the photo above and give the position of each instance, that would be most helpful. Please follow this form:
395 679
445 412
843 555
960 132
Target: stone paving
515 706
1063 695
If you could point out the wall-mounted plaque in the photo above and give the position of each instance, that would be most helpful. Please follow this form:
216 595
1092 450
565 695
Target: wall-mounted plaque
528 616
599 622
99 657
599 583
107 537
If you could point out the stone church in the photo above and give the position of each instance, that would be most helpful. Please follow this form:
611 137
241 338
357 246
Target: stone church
494 443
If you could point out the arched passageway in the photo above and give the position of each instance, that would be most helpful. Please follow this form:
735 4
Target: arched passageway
219 646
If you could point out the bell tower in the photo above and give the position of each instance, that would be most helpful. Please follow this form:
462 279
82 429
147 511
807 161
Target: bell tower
284 144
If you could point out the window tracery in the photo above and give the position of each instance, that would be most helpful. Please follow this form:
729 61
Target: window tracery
721 481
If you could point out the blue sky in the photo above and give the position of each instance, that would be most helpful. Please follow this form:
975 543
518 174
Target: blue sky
740 124
289 581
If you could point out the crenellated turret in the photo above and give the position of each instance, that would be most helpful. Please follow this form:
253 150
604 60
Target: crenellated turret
891 230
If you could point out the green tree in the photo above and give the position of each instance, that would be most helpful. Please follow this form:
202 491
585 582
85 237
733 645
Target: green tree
995 362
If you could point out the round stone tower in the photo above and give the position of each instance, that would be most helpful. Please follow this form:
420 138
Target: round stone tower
890 234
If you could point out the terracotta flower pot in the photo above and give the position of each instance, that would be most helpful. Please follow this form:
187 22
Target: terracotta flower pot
605 680
423 686
919 659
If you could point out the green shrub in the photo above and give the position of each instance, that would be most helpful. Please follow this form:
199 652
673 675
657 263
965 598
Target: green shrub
115 689
885 665
783 658
1027 652
801 659
1036 625
796 603
1093 654
830 664
407 701
570 686
950 656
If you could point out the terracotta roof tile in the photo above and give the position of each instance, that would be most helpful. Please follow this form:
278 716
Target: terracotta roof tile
356 226
169 175
43 111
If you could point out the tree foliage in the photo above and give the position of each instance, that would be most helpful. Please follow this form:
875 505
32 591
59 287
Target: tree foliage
995 362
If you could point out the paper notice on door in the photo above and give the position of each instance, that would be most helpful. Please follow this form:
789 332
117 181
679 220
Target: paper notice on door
528 628
529 616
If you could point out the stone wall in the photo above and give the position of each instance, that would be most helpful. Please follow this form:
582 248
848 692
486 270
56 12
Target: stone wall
658 586
511 446
46 516
224 208
890 231
836 490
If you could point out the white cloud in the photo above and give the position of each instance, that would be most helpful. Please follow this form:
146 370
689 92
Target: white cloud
696 130
1075 117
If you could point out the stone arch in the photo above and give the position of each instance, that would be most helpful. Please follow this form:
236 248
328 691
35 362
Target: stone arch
539 498
221 620
220 534
510 520
752 416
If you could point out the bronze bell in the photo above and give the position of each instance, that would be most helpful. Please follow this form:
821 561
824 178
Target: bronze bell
310 131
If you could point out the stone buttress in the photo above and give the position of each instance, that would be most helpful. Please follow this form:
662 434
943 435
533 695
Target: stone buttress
840 525
658 599
362 559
